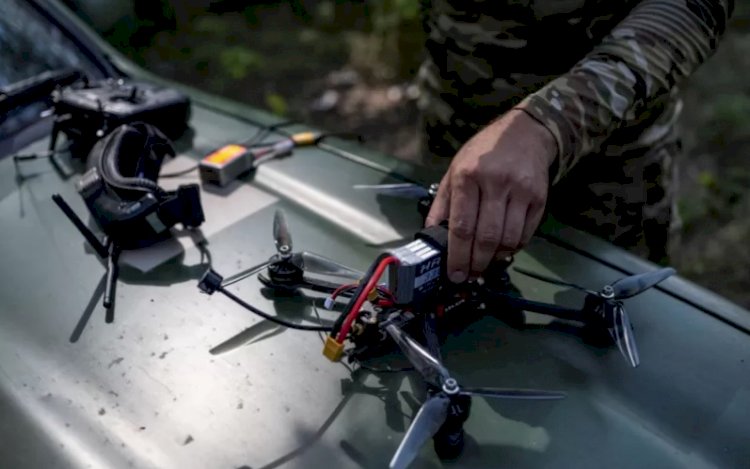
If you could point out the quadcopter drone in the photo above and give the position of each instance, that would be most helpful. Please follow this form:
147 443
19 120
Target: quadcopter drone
416 301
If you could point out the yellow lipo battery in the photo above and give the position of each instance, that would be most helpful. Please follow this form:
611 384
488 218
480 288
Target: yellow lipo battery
225 164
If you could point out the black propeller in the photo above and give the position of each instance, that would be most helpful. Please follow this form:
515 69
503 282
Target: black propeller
623 288
434 412
423 195
306 261
281 235
628 287
611 309
406 190
551 280
622 333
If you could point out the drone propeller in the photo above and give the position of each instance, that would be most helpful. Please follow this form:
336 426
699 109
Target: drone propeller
633 285
622 333
281 235
434 411
405 190
430 417
612 310
434 372
318 264
307 261
551 280
429 329
625 287
428 366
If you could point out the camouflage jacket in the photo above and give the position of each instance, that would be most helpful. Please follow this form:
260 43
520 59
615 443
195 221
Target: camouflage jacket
586 69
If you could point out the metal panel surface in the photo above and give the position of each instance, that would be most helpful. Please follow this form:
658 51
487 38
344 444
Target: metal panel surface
180 379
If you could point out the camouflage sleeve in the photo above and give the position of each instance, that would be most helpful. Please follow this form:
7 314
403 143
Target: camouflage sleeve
653 49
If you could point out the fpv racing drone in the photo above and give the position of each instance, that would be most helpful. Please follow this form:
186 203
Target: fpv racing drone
416 300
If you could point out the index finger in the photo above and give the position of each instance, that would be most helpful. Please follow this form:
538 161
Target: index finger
464 205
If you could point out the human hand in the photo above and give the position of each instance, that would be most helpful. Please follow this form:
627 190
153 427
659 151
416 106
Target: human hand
494 193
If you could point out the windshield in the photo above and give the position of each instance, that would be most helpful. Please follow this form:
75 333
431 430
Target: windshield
32 44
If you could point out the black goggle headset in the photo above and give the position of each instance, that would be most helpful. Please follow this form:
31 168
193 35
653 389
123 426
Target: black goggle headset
121 191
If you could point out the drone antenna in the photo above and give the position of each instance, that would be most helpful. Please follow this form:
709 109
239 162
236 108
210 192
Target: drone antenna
112 272
87 233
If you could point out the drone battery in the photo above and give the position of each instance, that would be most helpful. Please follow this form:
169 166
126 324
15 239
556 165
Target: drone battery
417 274
225 164
232 161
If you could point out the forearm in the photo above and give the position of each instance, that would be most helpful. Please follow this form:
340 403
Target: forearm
656 47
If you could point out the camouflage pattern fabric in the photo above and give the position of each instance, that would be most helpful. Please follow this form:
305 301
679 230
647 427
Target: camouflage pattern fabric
602 75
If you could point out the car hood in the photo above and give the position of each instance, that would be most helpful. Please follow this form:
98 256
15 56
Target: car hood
183 379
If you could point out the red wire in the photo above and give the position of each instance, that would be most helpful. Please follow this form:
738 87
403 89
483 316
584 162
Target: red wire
340 289
343 288
362 296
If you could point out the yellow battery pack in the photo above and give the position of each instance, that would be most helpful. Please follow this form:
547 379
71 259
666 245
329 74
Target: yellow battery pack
225 164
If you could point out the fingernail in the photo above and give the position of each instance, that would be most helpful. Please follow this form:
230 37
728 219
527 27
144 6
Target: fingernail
457 276
502 256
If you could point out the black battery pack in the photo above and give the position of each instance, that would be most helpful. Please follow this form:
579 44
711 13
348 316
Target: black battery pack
421 266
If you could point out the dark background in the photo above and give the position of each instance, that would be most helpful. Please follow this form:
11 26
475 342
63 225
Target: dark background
347 65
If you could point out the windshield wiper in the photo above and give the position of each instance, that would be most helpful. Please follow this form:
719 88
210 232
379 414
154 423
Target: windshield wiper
36 87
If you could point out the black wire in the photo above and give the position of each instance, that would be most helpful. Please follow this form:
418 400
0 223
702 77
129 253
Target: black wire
262 132
253 141
260 313
179 173
362 161
244 274
43 154
343 135
205 253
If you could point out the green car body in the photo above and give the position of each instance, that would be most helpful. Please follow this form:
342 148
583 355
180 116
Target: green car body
181 379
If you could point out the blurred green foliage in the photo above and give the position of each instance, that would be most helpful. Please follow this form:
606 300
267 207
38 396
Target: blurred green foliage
730 118
238 61
277 104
